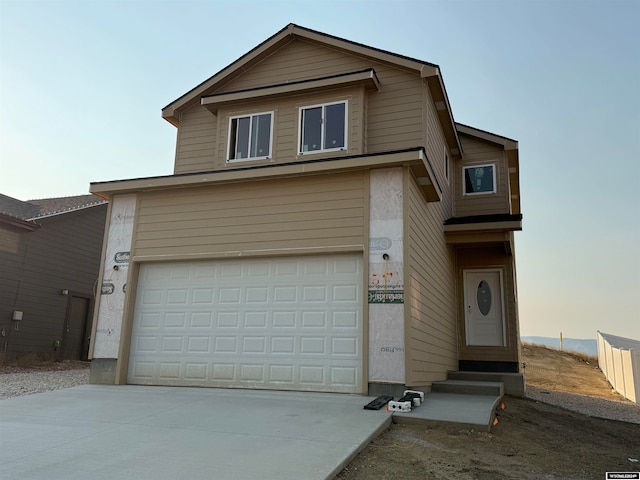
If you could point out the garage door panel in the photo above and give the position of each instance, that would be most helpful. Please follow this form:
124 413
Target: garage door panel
151 297
281 374
223 372
150 320
229 296
195 371
202 296
314 319
285 323
345 293
345 319
283 345
200 320
345 346
284 319
202 272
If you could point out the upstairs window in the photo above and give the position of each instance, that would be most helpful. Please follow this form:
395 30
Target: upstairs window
447 165
250 137
323 127
479 179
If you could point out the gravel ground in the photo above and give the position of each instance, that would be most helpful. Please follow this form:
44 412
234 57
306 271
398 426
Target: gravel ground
625 411
18 381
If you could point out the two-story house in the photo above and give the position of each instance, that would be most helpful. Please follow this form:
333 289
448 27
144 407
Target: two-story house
328 227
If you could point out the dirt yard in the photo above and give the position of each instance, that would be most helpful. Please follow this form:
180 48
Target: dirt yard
532 440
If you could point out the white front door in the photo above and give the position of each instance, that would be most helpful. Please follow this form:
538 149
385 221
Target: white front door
484 308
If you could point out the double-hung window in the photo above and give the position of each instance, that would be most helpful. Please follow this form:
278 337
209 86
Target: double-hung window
479 179
250 137
323 127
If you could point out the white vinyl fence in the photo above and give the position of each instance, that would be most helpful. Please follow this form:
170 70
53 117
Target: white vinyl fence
619 359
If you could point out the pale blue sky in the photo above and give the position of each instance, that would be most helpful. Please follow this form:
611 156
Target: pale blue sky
82 84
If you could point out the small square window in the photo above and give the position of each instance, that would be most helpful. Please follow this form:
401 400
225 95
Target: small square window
250 137
479 179
323 127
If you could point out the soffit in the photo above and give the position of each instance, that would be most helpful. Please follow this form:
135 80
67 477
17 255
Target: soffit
503 239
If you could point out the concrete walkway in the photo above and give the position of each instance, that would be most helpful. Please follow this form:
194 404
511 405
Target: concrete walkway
116 432
133 432
475 412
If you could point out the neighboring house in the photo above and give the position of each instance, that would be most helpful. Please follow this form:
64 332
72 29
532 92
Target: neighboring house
49 263
328 227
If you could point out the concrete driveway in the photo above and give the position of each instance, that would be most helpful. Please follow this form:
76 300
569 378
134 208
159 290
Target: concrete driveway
133 432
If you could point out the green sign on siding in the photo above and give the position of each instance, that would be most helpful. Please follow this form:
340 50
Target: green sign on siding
122 257
386 296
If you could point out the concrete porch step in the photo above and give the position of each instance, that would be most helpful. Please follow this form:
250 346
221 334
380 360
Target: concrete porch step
464 411
469 387
513 382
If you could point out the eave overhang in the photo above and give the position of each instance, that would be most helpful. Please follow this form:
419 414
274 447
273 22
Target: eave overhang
483 230
414 158
8 220
366 78
433 78
477 223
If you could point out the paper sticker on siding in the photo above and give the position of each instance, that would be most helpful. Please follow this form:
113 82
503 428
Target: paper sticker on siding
112 292
386 277
379 244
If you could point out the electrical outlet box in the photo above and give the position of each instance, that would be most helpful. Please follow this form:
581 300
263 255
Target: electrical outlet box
17 315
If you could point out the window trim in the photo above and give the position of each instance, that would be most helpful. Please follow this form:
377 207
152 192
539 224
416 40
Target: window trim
323 105
250 116
464 181
447 166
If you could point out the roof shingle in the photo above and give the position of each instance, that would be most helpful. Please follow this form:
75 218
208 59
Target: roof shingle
39 208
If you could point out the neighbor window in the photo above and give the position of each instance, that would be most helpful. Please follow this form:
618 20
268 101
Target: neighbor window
479 179
250 136
323 127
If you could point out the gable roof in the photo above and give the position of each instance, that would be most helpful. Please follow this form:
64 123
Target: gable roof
430 72
21 213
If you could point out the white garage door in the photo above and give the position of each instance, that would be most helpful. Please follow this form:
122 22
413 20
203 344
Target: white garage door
287 323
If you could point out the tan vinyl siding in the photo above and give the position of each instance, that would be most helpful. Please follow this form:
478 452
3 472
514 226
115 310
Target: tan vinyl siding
298 60
394 118
303 212
435 146
477 152
395 112
196 142
490 257
431 341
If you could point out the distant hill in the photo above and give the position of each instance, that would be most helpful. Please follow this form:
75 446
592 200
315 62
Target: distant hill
588 346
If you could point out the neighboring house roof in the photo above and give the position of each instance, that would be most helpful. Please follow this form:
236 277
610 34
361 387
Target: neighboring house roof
430 72
25 214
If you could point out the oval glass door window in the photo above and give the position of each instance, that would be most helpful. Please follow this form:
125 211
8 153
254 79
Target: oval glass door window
483 297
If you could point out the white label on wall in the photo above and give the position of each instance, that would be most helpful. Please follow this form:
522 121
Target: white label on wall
116 267
386 277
